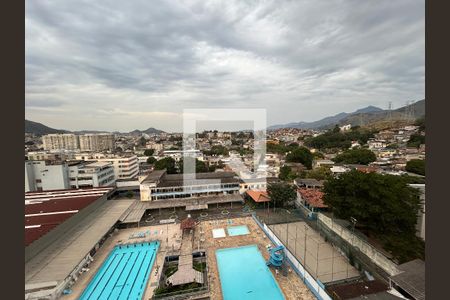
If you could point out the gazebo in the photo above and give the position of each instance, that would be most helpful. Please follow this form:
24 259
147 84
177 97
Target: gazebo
188 223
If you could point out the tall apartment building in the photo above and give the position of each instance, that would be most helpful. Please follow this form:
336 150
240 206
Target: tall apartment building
96 142
126 167
67 141
57 175
86 142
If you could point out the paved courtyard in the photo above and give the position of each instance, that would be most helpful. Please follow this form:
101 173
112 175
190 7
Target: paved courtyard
323 261
169 235
291 285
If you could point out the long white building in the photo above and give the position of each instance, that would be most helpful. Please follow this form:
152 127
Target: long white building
125 166
45 175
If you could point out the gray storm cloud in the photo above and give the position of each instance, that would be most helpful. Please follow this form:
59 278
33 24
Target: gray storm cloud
134 64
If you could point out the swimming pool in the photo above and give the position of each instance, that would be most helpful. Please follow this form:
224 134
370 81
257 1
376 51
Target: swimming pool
124 274
237 230
244 275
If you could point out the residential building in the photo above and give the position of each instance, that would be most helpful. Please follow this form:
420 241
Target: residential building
58 175
411 281
159 185
93 174
322 163
177 155
67 141
51 155
311 198
255 184
337 170
46 175
125 166
96 142
308 183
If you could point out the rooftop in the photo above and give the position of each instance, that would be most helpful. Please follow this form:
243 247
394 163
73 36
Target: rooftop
356 290
412 279
46 210
58 260
259 196
313 197
167 180
308 182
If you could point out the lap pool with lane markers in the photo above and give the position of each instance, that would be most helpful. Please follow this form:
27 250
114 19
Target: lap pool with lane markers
244 275
124 274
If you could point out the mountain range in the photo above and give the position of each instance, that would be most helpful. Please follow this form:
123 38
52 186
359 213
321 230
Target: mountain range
364 116
41 129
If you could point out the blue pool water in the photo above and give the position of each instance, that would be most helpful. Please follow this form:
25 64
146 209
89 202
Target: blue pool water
124 274
245 276
237 230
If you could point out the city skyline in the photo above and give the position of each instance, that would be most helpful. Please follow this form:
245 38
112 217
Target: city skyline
125 66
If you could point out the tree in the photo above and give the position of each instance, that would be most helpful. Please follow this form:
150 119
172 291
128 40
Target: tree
281 194
167 163
149 152
356 156
421 123
200 166
333 139
151 160
383 204
286 173
415 140
322 173
416 166
217 150
301 155
142 141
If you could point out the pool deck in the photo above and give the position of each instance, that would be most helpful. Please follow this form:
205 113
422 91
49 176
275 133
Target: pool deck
291 285
170 240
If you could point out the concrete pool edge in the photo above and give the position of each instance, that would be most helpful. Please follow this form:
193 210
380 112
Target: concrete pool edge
237 230
253 246
153 246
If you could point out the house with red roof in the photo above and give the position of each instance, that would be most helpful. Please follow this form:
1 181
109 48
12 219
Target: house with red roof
312 199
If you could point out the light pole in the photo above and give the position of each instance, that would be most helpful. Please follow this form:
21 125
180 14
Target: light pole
353 220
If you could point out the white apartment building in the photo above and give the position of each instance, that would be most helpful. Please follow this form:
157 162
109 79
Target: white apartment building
45 175
179 154
125 166
95 174
96 142
66 141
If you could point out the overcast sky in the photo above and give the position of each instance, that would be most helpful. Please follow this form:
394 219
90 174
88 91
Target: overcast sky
124 65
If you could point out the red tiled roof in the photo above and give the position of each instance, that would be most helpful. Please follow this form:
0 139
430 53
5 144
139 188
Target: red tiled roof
259 196
46 210
367 169
313 197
